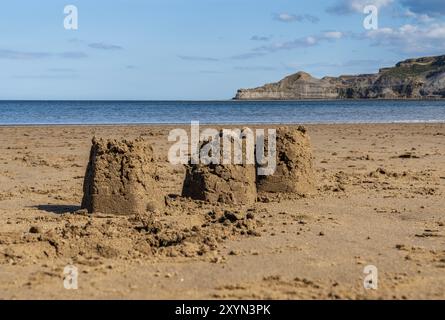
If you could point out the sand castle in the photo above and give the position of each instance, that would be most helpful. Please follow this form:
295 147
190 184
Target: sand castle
223 183
121 176
295 171
239 184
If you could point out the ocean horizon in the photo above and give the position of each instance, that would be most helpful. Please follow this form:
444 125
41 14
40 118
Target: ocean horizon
121 112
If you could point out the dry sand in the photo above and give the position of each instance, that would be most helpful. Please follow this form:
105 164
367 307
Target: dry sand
380 201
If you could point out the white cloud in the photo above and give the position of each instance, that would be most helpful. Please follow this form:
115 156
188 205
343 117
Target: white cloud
290 17
104 46
198 58
304 42
260 38
333 34
286 17
311 40
354 6
417 17
411 38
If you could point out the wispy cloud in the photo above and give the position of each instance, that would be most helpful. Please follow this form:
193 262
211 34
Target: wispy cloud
47 76
288 45
29 55
427 7
72 55
243 56
22 55
255 68
422 18
358 63
104 46
61 70
260 38
331 35
50 74
421 31
197 58
247 56
410 38
75 40
291 17
342 7
99 45
263 50
210 72
304 42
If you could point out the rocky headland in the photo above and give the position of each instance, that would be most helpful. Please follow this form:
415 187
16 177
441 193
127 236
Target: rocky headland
421 78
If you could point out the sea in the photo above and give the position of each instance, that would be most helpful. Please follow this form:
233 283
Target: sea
220 112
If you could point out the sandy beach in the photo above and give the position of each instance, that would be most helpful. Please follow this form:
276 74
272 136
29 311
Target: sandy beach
380 201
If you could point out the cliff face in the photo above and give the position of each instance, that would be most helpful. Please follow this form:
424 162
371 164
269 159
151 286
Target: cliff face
420 78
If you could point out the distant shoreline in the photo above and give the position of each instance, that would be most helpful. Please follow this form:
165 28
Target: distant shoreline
256 124
342 99
230 100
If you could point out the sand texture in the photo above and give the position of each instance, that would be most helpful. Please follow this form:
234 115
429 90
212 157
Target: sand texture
374 195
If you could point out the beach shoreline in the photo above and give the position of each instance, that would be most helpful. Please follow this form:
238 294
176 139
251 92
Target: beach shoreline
207 124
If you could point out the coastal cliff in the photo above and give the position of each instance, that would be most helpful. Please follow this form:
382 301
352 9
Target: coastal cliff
422 78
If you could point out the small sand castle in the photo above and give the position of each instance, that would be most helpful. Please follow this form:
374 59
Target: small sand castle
223 183
121 178
295 171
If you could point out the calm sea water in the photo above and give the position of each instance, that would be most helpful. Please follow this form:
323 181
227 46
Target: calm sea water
223 112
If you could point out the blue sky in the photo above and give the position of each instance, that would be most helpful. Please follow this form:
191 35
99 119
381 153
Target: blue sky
201 49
